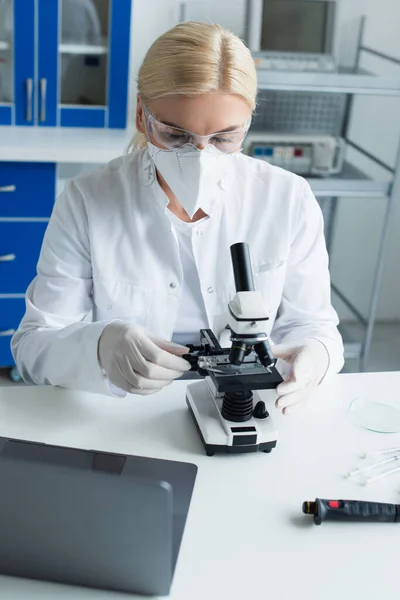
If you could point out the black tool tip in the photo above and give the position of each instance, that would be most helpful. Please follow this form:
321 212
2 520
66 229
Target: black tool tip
308 508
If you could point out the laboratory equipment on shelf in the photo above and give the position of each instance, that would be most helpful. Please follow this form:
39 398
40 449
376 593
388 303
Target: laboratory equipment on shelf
295 62
320 155
295 26
228 413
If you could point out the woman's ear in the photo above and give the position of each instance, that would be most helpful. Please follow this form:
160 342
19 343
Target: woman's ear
139 116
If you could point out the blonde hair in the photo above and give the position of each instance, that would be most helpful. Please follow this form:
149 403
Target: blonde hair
193 59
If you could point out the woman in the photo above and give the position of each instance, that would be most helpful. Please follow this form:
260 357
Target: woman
137 253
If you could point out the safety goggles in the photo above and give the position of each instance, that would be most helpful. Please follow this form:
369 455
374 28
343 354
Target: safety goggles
174 138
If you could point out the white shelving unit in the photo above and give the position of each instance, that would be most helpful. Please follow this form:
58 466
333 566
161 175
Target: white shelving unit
351 182
345 81
96 46
83 49
68 145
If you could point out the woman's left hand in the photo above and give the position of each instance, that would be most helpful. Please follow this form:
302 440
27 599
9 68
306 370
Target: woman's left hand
309 363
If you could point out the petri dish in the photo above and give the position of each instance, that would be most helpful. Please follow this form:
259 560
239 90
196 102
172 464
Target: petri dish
381 416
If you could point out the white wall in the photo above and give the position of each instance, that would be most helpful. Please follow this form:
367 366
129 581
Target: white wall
150 18
376 125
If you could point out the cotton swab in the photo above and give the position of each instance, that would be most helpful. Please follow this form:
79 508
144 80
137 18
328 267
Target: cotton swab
381 475
381 452
373 466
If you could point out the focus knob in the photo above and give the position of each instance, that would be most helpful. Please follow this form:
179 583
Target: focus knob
260 411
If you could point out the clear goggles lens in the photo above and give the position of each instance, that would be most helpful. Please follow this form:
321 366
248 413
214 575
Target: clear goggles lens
173 138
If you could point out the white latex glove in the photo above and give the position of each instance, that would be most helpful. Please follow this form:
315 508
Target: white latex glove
138 362
308 364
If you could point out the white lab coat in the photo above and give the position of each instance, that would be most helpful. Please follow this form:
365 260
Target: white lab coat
110 253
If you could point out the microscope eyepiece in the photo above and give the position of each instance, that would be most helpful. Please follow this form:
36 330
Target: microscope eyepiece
242 270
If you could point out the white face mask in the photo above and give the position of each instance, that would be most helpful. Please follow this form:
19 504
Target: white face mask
191 174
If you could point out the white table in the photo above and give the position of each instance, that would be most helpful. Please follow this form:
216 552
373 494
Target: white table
246 538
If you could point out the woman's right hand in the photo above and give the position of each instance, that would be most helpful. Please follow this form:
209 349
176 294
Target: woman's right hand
138 362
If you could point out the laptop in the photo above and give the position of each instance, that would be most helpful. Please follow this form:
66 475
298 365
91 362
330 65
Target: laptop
82 517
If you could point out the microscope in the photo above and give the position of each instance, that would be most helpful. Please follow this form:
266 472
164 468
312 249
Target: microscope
229 414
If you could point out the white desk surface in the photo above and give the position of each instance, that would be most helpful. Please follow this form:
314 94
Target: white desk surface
56 144
246 537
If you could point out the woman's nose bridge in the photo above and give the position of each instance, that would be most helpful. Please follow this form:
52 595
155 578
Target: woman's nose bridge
202 142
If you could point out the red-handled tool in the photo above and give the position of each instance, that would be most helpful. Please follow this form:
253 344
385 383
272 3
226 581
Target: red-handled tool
351 510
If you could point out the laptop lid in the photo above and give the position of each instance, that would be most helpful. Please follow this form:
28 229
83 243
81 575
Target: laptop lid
91 518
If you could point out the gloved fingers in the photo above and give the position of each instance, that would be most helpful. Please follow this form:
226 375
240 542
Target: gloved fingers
288 387
302 369
153 353
284 368
300 375
285 351
295 407
151 371
291 399
142 383
128 366
170 347
139 392
148 370
117 377
134 364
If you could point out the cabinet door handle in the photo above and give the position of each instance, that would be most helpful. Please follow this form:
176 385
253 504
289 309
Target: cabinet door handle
7 258
43 99
29 94
7 333
8 188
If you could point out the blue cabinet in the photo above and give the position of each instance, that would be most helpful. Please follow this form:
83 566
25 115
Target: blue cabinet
11 312
20 244
64 63
27 193
27 189
17 62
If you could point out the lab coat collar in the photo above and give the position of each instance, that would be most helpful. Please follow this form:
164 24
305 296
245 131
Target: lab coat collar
149 178
148 171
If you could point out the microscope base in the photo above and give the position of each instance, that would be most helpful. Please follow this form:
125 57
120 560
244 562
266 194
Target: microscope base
221 436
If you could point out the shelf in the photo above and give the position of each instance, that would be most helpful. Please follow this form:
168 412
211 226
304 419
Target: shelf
4 45
345 81
84 49
62 145
351 183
